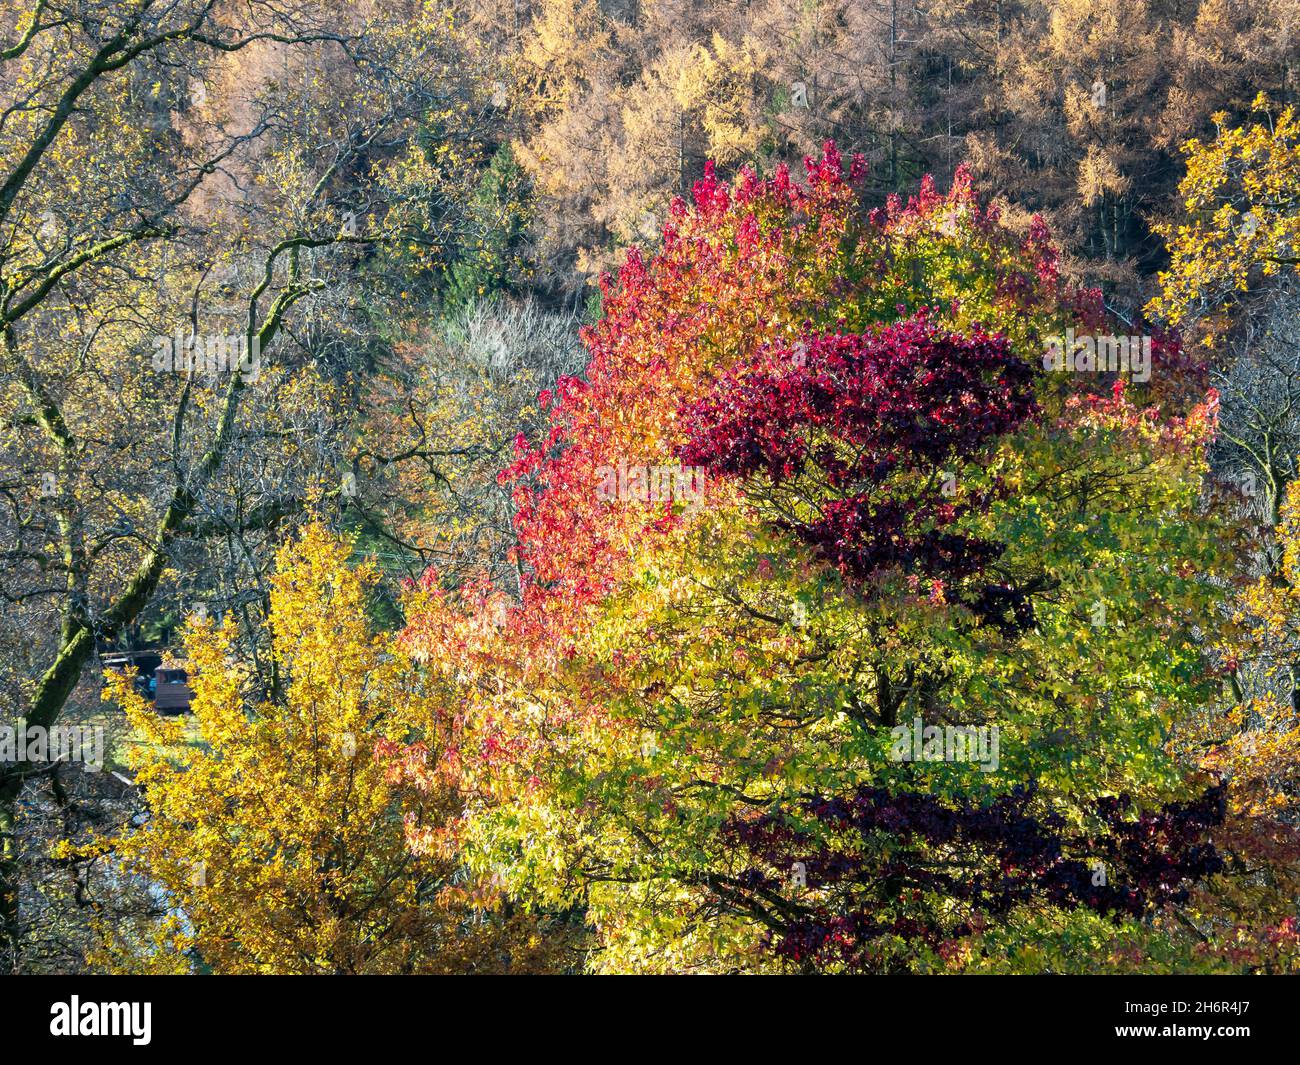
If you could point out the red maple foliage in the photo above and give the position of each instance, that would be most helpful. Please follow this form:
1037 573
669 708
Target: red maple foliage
821 431
754 268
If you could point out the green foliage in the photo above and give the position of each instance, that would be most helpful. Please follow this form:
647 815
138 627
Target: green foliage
489 258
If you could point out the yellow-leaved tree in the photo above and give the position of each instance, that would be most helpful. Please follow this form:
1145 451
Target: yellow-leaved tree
276 839
1248 915
1242 225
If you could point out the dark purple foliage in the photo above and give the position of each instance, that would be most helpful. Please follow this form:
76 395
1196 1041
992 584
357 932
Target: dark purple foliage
891 854
833 424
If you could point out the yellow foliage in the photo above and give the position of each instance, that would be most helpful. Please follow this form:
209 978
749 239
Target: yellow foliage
1242 201
279 838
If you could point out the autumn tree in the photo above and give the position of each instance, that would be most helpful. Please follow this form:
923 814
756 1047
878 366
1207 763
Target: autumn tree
882 512
1251 736
174 179
1230 287
1075 108
1241 220
279 837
